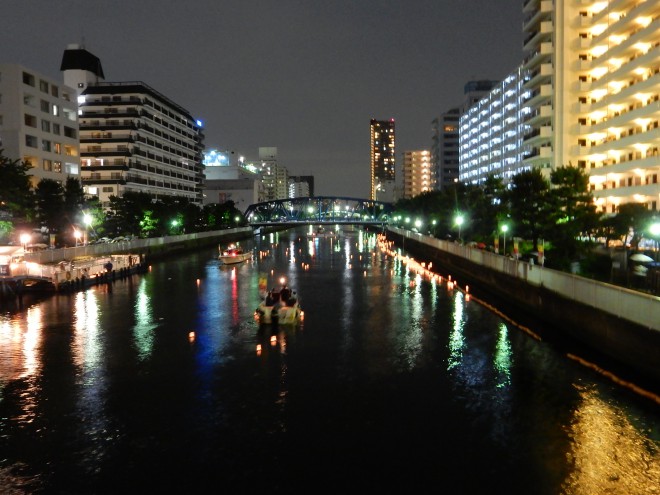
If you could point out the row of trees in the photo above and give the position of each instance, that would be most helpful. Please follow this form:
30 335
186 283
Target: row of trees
61 209
560 211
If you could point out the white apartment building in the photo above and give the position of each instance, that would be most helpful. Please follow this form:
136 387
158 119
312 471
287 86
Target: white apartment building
591 77
132 138
417 173
491 133
38 123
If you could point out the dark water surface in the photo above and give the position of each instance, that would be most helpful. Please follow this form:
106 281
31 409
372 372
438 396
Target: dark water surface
393 383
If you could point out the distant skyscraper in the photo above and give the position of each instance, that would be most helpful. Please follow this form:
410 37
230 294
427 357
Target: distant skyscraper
382 160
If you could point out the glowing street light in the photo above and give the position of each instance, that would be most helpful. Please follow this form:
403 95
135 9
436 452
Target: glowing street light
77 234
505 229
25 239
459 221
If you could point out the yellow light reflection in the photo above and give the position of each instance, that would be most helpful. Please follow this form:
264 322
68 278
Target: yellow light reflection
608 453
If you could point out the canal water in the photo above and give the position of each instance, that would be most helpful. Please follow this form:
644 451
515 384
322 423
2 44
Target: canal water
394 382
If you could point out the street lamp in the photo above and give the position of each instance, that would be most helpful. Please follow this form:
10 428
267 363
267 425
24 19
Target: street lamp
505 229
25 240
87 221
459 222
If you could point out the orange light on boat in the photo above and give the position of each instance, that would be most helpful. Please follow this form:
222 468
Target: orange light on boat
258 348
191 336
273 340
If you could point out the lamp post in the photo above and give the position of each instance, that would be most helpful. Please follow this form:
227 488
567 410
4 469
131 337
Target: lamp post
459 222
505 228
25 240
87 221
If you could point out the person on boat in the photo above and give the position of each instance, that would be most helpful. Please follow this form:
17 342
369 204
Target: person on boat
285 293
269 298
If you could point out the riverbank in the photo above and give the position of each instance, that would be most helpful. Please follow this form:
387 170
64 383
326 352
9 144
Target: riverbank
69 269
621 324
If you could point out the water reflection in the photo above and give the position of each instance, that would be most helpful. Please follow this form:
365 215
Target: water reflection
608 454
456 338
145 324
503 357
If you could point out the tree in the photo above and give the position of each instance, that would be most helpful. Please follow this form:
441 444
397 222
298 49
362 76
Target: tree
573 213
16 196
630 221
126 212
74 199
49 197
529 204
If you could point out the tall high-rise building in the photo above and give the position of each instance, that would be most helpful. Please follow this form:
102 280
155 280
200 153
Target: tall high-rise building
417 173
587 95
133 138
39 123
383 160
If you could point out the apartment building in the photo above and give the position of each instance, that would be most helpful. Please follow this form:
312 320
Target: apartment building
492 132
417 173
587 94
38 123
132 138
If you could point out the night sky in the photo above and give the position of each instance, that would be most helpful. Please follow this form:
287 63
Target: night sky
303 76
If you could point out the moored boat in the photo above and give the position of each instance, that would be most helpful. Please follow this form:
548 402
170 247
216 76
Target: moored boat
233 254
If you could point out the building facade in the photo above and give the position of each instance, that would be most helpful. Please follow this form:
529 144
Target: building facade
492 132
445 150
417 173
39 123
587 94
383 161
594 94
132 138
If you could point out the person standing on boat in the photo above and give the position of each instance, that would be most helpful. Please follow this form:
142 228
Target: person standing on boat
285 293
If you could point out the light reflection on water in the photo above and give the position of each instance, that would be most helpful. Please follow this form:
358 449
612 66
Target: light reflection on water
389 368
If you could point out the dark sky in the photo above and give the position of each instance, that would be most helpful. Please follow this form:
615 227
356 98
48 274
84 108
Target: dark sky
303 76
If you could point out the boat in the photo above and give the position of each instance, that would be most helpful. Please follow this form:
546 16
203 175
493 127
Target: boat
233 254
321 232
279 307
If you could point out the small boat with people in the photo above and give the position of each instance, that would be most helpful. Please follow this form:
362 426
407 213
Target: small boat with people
321 232
280 307
233 254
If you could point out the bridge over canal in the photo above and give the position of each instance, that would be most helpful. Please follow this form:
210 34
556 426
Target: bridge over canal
319 210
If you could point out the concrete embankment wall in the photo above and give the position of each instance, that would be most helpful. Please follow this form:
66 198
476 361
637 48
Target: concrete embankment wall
615 321
152 248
